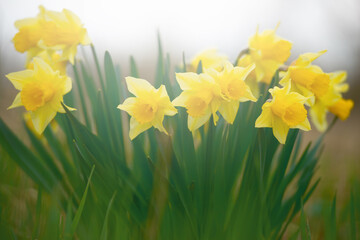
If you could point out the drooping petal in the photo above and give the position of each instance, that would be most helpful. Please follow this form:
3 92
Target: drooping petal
158 123
41 117
136 128
280 129
196 122
318 116
229 110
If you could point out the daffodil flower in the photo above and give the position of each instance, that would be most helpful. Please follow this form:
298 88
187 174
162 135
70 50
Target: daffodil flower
63 31
307 79
41 92
148 108
233 88
286 110
201 97
209 59
50 30
332 101
268 51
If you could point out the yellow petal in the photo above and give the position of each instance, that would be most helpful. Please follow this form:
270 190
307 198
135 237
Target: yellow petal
17 102
170 110
280 129
158 123
244 72
42 69
127 105
62 110
69 54
215 104
265 118
137 85
41 117
187 80
25 22
307 58
196 122
68 85
305 125
229 110
136 128
18 79
180 100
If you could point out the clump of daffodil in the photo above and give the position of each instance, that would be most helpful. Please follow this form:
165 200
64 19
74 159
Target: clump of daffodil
286 110
233 88
209 59
41 92
50 30
148 108
307 79
268 51
201 97
331 101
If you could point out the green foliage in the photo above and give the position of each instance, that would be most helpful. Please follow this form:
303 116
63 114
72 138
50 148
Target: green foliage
224 182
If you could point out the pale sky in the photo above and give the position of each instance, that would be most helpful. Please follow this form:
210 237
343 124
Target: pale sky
130 27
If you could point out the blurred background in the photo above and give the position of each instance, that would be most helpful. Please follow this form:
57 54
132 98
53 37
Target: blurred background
130 28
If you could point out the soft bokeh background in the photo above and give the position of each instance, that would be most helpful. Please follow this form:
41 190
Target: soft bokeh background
130 28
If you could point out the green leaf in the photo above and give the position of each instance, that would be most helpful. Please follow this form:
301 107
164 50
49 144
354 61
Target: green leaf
81 205
104 231
304 226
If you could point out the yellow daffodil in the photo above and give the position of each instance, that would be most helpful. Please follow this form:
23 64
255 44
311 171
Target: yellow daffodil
268 51
307 79
342 108
57 31
322 104
209 59
63 31
148 108
233 88
201 97
41 92
286 110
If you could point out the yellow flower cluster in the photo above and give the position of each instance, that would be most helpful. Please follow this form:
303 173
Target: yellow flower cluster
303 84
50 40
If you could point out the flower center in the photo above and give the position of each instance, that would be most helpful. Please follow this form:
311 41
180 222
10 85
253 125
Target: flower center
35 95
292 114
195 106
236 89
144 112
